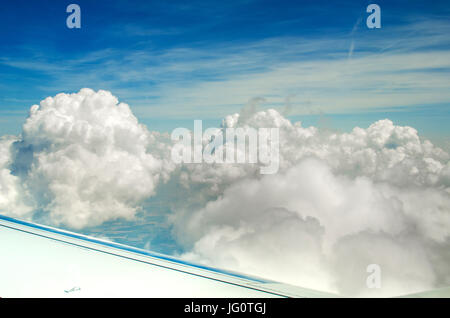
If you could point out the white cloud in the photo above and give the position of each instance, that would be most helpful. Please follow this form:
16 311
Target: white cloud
378 195
258 226
12 195
86 159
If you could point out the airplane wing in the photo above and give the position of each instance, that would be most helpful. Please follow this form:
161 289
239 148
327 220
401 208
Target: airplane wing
41 261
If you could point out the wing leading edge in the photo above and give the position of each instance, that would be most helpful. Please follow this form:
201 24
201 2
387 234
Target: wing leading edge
41 261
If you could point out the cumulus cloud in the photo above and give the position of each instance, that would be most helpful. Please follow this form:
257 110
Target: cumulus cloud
309 226
85 158
340 201
12 194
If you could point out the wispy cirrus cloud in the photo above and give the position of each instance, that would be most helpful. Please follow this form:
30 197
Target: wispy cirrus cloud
404 66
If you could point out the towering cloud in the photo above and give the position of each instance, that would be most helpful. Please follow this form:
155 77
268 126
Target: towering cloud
85 159
340 201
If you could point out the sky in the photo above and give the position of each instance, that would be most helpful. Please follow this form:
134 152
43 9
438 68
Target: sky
344 197
175 61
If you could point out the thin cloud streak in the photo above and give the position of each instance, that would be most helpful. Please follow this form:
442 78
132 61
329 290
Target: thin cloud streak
392 68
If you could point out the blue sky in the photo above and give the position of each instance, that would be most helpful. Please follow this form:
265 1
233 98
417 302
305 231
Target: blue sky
174 61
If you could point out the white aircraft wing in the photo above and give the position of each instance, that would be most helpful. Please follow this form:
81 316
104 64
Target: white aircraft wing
41 261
